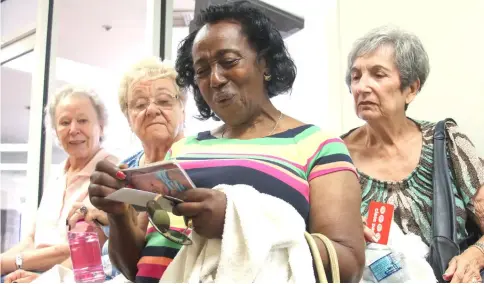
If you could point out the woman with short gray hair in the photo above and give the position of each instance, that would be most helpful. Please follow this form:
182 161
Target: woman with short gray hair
78 118
410 57
394 154
154 107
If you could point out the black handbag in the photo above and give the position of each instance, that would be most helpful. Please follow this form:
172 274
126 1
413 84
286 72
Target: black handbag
444 244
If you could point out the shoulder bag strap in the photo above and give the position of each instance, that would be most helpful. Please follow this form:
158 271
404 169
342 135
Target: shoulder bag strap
443 208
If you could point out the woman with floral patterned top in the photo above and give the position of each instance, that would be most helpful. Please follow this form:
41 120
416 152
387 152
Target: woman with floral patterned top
394 154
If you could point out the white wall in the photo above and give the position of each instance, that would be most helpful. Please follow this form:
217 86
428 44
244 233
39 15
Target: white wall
307 102
452 33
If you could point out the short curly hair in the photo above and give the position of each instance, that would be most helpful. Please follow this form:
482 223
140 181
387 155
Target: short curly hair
262 35
148 68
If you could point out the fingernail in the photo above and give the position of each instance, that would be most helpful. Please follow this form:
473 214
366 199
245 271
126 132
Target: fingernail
375 239
120 175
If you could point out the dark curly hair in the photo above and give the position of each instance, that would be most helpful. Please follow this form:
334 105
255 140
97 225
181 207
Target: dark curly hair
262 36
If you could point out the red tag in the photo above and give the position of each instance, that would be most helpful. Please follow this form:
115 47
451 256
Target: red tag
380 216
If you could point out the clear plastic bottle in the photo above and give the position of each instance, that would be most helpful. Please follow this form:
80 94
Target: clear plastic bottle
384 265
86 254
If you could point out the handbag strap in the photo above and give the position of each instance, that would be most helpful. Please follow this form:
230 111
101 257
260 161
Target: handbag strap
318 263
332 255
443 208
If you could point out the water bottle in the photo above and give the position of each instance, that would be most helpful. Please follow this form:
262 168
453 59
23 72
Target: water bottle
383 265
85 254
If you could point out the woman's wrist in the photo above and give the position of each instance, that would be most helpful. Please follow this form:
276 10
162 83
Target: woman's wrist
8 264
480 246
477 252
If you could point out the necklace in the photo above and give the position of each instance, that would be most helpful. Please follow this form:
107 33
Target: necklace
270 133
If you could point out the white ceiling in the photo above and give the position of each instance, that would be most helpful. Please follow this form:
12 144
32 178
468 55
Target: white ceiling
81 37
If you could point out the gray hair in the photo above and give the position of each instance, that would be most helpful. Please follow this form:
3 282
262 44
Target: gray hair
69 91
410 56
148 68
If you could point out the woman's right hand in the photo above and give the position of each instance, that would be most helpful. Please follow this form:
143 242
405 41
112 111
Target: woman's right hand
106 179
369 234
92 215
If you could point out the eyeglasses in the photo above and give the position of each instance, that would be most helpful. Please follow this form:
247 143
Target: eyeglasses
160 220
163 101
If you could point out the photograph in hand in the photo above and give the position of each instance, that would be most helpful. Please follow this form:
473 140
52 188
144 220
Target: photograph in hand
150 182
159 178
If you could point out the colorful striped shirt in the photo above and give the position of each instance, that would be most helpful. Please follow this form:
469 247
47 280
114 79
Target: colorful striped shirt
281 165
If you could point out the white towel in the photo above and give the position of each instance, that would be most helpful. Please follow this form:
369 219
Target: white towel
263 241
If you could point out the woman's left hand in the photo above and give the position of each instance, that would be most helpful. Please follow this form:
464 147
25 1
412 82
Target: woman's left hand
205 207
465 268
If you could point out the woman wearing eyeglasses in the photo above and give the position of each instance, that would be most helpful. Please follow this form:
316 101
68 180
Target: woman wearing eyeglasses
234 62
155 109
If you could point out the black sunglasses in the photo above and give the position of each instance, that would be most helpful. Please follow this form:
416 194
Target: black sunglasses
160 220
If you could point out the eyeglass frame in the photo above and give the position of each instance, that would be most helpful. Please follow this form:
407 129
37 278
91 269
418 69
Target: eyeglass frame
176 97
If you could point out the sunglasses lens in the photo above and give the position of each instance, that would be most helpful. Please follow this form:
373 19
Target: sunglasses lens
160 219
177 237
152 206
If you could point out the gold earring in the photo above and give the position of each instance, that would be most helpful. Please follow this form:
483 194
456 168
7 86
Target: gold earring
267 77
